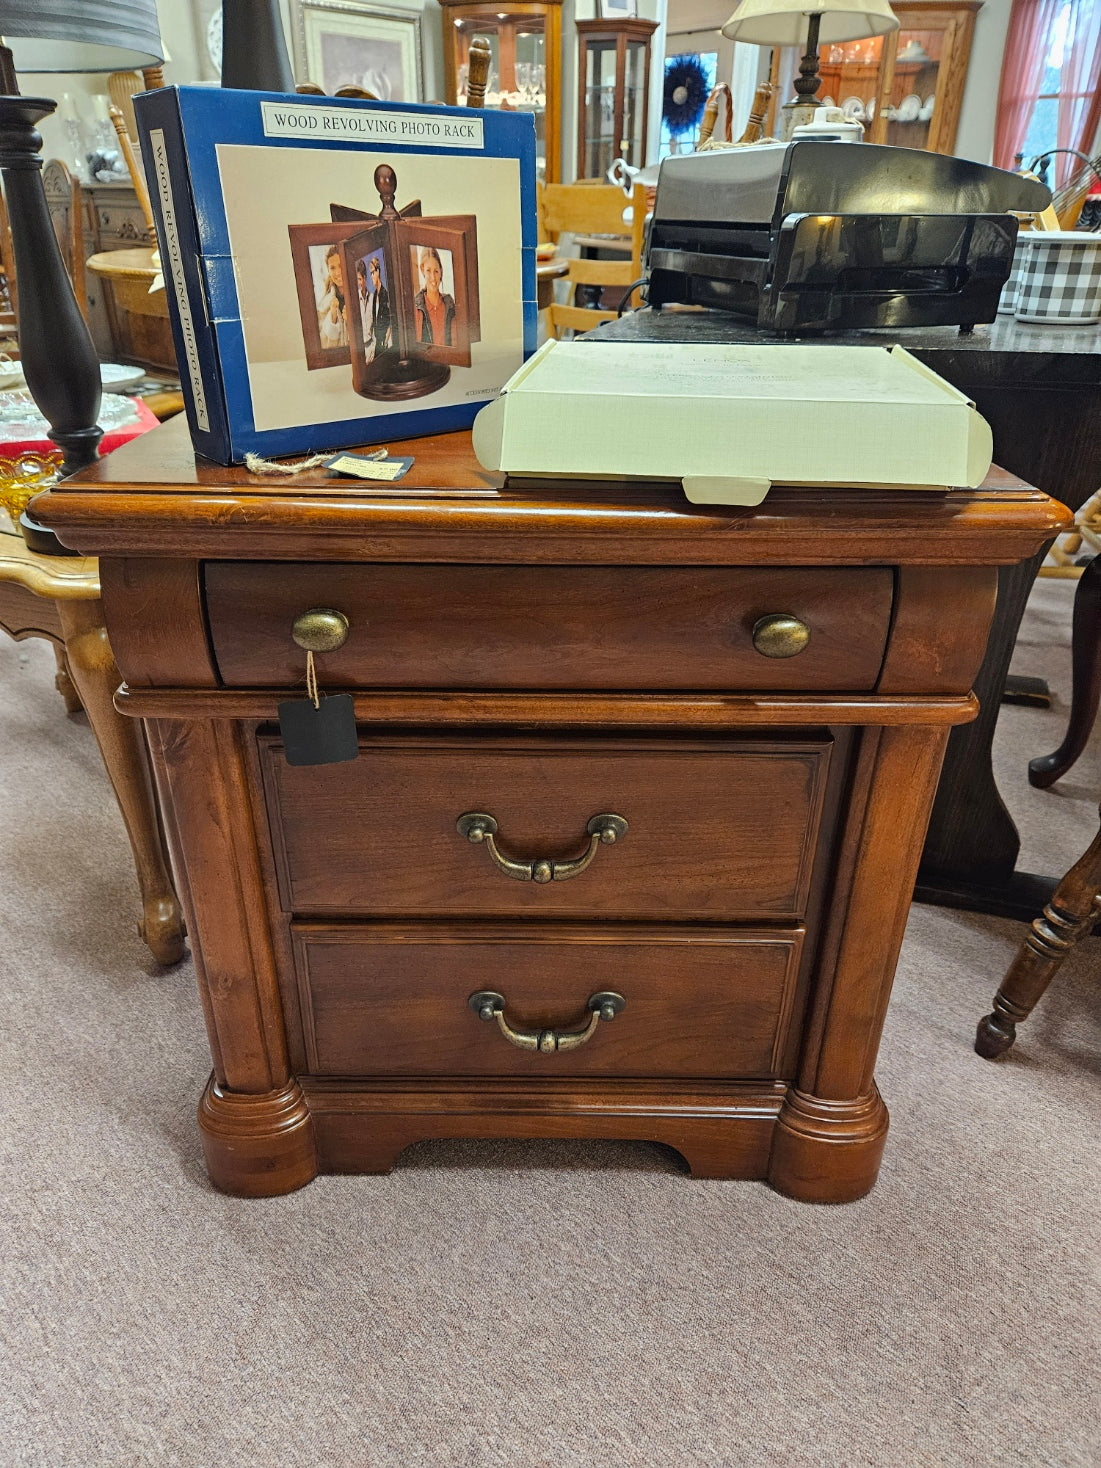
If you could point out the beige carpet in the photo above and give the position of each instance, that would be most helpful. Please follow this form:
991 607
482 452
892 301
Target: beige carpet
531 1305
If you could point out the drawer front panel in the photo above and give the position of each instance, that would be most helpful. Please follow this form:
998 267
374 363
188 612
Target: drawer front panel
723 830
550 627
390 1001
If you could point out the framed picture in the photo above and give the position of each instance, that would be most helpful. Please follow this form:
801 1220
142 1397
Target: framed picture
369 266
324 303
616 9
439 272
414 291
348 43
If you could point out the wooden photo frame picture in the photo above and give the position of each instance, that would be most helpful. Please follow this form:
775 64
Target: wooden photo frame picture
372 327
323 293
437 268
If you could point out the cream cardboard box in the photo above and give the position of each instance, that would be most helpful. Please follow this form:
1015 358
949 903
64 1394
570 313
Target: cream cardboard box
730 421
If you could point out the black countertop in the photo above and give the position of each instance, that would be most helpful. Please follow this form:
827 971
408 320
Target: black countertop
1007 349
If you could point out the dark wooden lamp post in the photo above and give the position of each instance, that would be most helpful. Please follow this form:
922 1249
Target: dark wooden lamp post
56 351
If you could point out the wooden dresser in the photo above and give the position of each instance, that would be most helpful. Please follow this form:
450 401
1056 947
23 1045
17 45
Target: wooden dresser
631 838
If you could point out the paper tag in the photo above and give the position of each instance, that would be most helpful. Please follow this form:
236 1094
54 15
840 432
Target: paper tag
324 735
363 468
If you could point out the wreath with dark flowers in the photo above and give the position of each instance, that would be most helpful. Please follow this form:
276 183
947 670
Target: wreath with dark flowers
685 94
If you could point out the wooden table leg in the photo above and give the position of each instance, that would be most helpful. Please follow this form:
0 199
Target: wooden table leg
122 744
64 683
1068 917
1086 694
971 851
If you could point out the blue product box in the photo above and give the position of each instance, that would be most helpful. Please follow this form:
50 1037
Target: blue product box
339 272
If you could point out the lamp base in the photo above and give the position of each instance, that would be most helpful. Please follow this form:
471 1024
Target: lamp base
56 352
797 113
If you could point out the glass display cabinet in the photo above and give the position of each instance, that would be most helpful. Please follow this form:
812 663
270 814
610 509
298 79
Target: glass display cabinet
525 74
613 82
907 87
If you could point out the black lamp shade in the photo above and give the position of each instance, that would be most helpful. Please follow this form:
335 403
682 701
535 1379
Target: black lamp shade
81 35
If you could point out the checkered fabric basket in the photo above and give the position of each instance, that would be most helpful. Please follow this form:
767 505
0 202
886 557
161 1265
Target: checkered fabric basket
1061 279
1007 301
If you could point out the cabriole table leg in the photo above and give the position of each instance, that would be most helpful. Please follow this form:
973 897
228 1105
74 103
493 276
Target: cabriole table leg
92 668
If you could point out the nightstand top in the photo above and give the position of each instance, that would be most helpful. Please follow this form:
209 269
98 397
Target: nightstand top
155 497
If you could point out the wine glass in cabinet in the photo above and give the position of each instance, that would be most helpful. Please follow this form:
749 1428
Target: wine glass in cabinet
525 73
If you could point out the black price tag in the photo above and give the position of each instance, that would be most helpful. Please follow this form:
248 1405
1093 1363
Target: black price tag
321 735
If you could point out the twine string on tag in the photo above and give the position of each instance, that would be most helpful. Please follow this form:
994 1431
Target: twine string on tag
311 681
256 465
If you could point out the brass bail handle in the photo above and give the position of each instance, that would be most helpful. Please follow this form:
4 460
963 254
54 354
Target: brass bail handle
481 829
489 1005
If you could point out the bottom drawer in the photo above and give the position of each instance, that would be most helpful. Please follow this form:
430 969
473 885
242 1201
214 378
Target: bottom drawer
388 1000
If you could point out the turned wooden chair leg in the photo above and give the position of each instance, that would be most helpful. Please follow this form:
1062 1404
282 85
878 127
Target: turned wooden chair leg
122 744
1086 693
1068 917
64 683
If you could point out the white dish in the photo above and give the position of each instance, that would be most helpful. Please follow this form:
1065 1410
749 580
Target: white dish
909 109
927 108
853 107
869 111
118 376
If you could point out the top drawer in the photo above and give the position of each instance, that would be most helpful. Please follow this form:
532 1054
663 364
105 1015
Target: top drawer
550 627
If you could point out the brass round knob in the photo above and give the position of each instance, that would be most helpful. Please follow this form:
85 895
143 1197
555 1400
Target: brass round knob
320 629
780 636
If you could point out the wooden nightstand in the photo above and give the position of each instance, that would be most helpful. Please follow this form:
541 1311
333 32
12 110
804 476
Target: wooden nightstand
731 722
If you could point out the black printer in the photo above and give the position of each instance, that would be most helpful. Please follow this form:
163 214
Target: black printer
822 235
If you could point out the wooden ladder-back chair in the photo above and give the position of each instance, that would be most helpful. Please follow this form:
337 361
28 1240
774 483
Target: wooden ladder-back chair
590 211
123 87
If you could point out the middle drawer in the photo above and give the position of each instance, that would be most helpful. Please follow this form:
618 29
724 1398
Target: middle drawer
717 829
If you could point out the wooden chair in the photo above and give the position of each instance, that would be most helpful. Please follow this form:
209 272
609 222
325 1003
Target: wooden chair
591 212
1085 652
123 87
1072 912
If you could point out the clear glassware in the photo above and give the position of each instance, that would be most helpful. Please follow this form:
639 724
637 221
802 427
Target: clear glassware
76 158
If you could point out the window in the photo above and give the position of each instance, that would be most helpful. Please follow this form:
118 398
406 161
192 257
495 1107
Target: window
1042 132
1051 75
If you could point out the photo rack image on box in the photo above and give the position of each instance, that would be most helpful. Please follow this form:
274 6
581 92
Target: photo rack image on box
393 295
